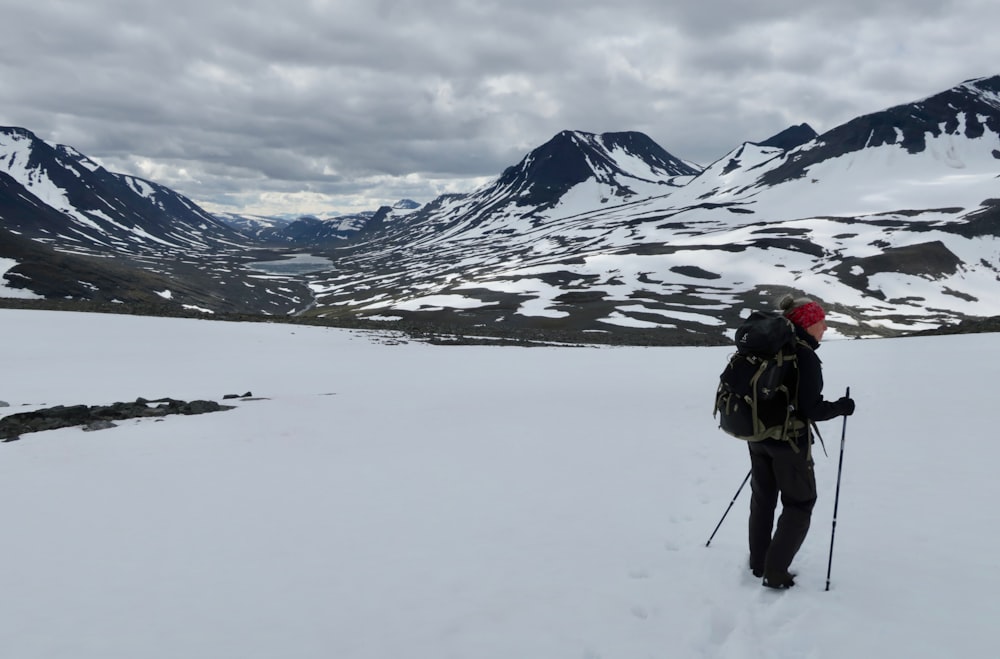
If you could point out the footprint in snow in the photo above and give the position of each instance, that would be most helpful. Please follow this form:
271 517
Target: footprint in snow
721 626
639 573
640 612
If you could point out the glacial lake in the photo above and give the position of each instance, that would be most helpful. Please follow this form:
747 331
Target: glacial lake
298 264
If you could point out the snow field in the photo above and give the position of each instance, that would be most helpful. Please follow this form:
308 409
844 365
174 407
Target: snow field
386 500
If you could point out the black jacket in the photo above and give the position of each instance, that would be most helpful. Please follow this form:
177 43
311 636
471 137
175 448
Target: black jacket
812 406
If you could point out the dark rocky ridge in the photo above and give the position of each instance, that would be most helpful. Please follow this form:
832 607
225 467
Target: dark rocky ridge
907 125
447 327
98 417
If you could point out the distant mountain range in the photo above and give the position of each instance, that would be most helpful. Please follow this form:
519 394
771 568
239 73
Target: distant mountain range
308 230
891 219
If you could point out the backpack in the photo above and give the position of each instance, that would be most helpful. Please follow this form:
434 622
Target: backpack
758 389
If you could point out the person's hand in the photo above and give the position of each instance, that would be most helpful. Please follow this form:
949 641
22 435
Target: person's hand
845 406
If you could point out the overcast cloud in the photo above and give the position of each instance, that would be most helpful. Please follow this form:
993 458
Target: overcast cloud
343 105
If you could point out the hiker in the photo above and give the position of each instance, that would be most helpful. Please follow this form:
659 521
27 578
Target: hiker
786 466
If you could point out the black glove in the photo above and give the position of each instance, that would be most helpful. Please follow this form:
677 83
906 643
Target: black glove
845 406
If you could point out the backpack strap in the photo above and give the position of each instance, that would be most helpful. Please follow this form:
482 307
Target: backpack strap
788 432
811 426
821 442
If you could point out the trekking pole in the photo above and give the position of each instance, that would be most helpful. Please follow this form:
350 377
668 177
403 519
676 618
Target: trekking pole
735 496
836 498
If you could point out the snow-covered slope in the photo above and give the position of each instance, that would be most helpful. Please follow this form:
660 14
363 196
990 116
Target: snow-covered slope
386 499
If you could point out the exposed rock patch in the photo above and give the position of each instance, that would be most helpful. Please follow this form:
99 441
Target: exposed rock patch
100 417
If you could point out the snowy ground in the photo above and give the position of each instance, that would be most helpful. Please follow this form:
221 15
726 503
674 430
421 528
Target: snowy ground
390 500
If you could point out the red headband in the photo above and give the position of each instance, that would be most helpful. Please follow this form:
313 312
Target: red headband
806 315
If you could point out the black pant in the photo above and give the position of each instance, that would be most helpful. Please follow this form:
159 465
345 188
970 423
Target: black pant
775 466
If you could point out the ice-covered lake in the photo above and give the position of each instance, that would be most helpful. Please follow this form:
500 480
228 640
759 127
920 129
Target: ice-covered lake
297 264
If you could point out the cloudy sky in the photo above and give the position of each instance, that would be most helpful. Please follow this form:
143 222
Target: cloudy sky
329 106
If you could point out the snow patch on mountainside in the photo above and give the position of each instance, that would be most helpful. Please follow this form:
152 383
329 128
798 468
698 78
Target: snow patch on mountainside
15 154
6 290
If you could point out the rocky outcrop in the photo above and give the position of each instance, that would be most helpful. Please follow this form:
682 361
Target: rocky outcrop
99 417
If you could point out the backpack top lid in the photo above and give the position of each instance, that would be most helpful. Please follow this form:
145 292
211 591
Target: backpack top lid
764 334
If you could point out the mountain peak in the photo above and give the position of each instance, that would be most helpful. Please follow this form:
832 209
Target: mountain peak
791 137
17 131
989 84
572 157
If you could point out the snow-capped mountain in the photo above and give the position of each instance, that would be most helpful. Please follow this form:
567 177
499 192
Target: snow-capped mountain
79 231
253 225
623 165
406 205
96 207
309 230
890 219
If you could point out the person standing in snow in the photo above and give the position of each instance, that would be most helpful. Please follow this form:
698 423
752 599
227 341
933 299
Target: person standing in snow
785 467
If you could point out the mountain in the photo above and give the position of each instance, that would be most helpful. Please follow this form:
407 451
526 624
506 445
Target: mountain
309 230
253 225
893 238
406 205
95 206
625 163
79 231
935 124
791 137
890 219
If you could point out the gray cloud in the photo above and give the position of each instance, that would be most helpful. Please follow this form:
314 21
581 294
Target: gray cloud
321 106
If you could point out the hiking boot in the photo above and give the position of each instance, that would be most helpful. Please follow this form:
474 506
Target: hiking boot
757 572
779 581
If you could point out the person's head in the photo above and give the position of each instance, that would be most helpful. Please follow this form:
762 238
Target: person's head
805 313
